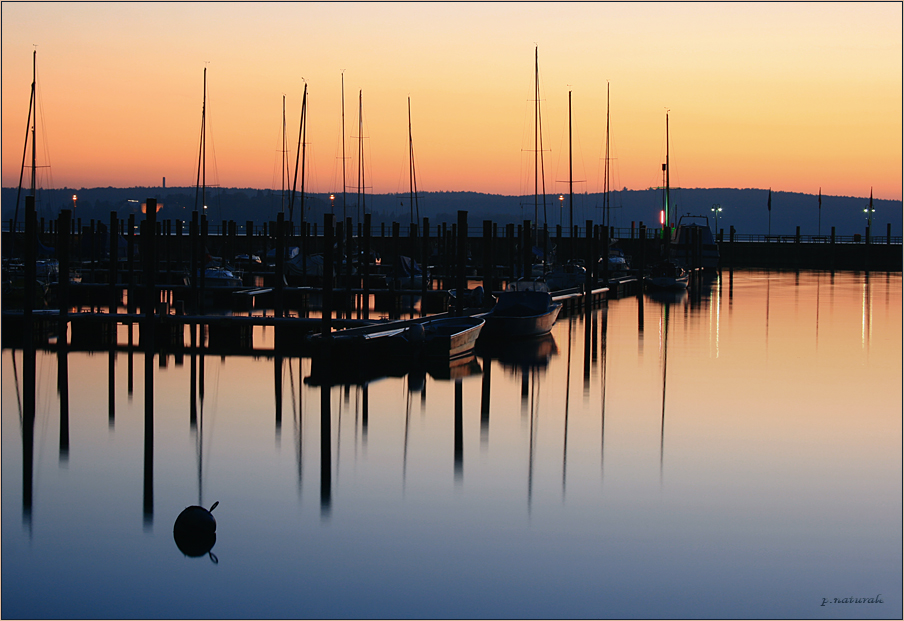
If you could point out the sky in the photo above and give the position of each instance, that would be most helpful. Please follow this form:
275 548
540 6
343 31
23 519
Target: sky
797 97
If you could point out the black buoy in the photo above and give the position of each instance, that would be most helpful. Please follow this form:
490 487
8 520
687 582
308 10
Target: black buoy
195 531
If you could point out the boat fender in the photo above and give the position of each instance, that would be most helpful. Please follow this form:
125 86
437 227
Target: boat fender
415 333
195 531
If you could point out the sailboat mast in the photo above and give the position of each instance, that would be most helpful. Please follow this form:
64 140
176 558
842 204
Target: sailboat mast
412 188
667 205
31 106
34 79
606 174
304 131
204 146
283 164
570 172
360 154
343 148
299 152
536 132
202 162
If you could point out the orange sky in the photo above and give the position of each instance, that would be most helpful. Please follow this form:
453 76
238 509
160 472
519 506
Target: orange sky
792 96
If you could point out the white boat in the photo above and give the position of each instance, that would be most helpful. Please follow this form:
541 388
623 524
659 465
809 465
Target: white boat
220 276
692 244
521 314
426 337
667 275
617 264
568 276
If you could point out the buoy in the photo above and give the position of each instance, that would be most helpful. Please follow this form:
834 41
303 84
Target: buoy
195 531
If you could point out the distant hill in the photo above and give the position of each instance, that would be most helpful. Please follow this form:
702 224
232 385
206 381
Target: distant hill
745 209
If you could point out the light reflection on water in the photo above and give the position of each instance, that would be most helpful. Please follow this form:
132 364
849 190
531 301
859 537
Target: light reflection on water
733 451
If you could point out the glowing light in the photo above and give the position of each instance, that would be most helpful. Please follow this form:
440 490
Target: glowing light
662 217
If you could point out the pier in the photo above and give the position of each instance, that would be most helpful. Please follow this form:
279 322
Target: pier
150 282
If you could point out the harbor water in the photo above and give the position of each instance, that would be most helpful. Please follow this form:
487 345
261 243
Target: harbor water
731 451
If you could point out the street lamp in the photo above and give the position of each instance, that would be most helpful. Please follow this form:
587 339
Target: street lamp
561 207
869 211
74 199
332 206
716 210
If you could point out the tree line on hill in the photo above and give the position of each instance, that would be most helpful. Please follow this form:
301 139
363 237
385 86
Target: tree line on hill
750 211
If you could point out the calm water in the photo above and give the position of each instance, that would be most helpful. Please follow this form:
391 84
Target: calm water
732 453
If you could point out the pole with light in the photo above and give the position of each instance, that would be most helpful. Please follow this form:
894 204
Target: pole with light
869 211
717 209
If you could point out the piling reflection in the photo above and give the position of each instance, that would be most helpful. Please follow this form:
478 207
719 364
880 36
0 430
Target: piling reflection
63 389
530 461
148 496
326 447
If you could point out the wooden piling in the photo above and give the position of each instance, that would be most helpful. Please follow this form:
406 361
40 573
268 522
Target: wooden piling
365 301
588 273
202 256
193 242
280 268
63 226
461 285
488 263
112 272
425 259
327 309
349 301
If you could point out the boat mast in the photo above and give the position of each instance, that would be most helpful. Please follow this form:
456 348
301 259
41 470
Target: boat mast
34 127
361 192
536 132
667 206
299 152
283 164
31 105
412 179
343 148
202 156
606 175
570 174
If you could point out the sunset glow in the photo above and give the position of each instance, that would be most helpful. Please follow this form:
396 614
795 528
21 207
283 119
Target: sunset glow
792 96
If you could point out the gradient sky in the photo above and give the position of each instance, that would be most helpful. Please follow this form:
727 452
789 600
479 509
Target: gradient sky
792 96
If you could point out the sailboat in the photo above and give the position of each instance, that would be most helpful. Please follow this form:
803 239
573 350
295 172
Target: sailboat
215 272
571 274
691 244
47 269
536 280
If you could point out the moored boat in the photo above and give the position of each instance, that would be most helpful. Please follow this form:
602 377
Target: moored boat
521 314
667 275
692 244
427 337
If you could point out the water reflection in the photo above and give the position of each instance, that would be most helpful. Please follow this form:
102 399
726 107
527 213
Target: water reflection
499 472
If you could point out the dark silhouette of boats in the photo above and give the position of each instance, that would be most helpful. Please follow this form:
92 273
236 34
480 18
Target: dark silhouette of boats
520 314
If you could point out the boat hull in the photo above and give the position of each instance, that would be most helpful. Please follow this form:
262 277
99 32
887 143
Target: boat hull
666 282
521 314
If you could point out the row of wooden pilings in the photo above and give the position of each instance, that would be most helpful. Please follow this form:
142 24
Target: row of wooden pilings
158 247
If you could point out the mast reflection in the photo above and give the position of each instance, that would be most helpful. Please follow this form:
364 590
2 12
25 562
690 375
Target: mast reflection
63 389
459 432
326 482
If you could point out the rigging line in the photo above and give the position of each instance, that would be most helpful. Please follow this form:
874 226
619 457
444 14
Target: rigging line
292 389
201 161
12 354
24 155
302 139
39 106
